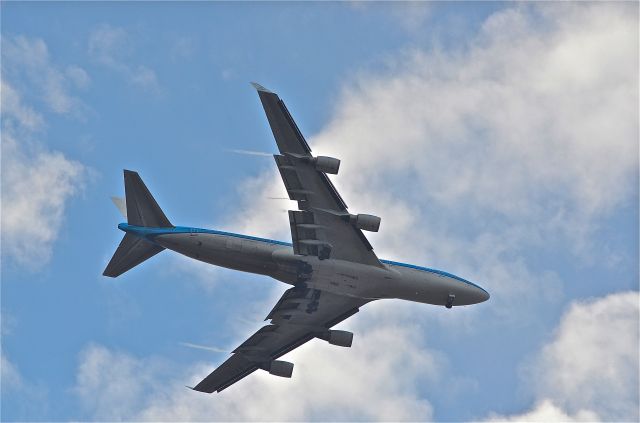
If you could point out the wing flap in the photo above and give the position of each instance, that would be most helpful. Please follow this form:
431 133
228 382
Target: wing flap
319 228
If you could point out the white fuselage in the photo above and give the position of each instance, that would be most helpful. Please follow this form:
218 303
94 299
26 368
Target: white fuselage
277 259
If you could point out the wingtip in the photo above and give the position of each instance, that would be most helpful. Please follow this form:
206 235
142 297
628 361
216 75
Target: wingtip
260 87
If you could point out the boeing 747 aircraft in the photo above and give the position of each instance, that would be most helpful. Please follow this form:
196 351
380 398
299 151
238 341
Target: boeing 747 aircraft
330 264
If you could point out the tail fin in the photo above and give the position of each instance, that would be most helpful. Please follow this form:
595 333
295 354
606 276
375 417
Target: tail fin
142 210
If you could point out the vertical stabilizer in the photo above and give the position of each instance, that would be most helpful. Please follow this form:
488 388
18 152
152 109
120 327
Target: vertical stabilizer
142 209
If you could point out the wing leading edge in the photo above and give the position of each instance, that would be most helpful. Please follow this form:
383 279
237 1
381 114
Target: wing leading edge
321 226
300 315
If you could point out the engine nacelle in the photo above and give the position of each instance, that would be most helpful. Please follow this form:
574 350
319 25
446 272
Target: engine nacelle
327 164
281 368
341 338
366 222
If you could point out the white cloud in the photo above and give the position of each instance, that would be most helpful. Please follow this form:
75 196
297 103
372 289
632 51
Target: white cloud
37 183
367 382
475 155
502 143
513 128
111 384
36 187
182 48
412 15
587 372
111 47
26 60
589 369
592 361
11 377
24 397
273 220
15 114
546 411
204 274
78 76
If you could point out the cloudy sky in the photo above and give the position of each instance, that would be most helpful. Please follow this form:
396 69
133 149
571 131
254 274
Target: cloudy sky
497 141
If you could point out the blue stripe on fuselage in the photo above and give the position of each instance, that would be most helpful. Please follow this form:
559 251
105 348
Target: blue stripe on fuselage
151 232
430 270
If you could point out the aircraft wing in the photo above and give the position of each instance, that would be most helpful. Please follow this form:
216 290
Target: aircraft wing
321 226
300 315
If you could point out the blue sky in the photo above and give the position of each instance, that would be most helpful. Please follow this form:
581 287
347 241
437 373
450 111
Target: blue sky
496 141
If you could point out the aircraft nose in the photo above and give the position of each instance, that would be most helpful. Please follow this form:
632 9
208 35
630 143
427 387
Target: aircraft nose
482 295
467 294
476 294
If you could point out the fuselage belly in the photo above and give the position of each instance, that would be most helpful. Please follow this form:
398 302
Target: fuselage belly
277 260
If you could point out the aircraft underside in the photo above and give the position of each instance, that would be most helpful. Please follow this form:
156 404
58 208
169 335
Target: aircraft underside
330 264
278 261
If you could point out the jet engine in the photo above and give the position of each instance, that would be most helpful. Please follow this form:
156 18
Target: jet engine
341 338
326 164
280 368
366 222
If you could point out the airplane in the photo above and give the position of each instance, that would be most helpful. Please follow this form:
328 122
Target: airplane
329 263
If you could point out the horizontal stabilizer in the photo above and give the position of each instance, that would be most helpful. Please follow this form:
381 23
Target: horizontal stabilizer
131 252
